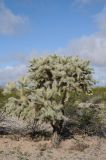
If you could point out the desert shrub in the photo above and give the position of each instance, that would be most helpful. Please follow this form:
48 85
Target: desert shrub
98 96
100 92
89 119
102 117
47 91
92 119
3 100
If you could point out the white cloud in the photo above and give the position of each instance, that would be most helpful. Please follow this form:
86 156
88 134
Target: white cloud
10 23
100 18
92 47
11 73
100 75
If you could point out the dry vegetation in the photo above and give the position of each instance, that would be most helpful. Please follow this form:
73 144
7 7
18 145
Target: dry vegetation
66 123
79 145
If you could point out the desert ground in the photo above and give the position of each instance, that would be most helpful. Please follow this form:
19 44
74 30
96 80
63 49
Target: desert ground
79 148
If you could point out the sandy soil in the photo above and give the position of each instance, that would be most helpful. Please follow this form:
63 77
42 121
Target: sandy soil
80 148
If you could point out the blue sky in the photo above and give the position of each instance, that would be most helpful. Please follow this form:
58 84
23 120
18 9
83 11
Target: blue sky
40 27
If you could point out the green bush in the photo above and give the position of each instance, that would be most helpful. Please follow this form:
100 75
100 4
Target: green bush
100 92
98 96
89 120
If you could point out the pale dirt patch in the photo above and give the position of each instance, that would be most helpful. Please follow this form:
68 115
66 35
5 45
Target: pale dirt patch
80 148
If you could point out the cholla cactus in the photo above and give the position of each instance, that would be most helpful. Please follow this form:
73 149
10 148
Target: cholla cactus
44 94
55 78
10 87
19 104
